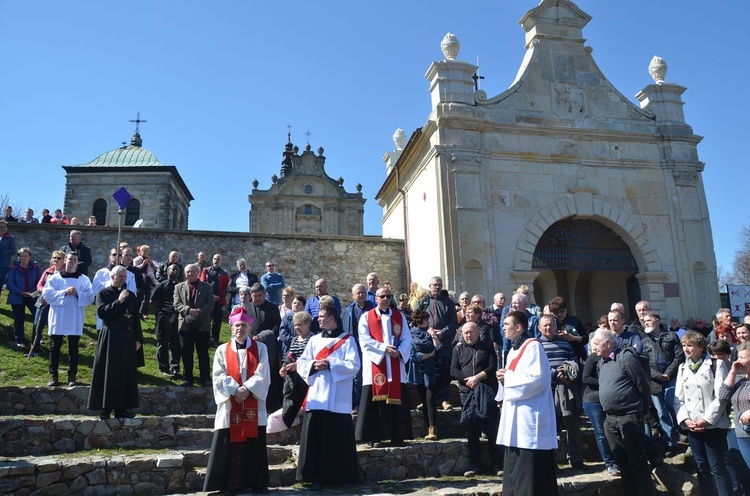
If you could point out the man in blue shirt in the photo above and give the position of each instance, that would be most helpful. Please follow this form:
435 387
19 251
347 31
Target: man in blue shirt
273 282
313 304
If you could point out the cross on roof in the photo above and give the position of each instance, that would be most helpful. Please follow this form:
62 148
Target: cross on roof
137 121
289 133
308 134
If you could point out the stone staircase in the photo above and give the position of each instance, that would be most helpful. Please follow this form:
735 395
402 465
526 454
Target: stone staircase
52 445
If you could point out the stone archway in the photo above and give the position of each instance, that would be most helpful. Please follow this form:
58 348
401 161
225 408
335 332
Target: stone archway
588 264
582 204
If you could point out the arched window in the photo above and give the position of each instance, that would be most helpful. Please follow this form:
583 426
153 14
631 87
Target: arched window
133 212
100 211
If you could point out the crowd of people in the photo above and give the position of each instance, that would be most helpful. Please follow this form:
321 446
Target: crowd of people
526 374
46 218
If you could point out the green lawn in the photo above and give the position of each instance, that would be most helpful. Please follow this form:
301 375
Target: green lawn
15 370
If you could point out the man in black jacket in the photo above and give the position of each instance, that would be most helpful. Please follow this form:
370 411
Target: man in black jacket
167 338
84 252
664 351
474 362
443 321
625 394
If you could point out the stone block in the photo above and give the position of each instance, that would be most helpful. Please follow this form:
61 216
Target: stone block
45 465
97 476
169 461
78 484
45 479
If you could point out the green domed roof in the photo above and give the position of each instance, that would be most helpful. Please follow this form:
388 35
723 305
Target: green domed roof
133 155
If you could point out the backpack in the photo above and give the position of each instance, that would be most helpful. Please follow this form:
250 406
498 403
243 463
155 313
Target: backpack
642 359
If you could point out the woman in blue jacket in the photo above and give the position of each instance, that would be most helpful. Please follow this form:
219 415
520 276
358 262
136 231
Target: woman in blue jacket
22 280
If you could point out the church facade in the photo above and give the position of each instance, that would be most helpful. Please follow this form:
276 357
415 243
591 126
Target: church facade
160 198
560 182
306 200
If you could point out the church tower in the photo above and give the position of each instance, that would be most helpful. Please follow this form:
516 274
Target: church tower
305 200
560 182
160 197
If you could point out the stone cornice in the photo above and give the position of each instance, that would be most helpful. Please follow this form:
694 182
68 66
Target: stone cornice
481 124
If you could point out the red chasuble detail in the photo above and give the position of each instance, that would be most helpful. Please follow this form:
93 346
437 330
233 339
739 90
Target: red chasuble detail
382 389
243 417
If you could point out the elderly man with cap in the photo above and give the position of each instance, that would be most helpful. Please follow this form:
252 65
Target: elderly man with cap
238 459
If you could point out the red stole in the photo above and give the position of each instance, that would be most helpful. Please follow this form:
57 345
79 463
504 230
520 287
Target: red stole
243 417
513 364
325 353
382 388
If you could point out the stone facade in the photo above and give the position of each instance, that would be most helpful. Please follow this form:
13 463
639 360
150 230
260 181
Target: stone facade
160 197
490 181
306 200
302 259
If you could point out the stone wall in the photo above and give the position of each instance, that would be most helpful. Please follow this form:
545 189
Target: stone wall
302 259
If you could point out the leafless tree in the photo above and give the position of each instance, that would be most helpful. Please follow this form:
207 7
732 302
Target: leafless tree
741 262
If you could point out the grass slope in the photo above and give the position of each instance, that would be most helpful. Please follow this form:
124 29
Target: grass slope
15 370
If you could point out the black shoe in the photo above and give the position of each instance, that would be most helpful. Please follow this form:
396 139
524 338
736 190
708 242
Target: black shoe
166 374
186 383
579 465
123 414
315 486
207 383
105 414
377 444
398 444
671 451
176 374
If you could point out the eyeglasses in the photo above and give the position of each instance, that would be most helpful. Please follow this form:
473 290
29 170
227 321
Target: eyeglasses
385 297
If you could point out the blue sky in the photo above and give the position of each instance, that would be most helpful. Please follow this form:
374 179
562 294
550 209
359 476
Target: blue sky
218 83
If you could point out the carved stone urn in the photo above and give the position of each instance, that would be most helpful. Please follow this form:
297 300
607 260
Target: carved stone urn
658 69
450 46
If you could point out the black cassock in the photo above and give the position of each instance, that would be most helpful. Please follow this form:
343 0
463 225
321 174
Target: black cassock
114 382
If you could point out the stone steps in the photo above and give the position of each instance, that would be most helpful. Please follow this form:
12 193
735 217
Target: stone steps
48 435
57 447
182 471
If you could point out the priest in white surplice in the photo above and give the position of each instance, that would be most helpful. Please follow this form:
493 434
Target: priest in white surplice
68 294
328 453
385 340
528 428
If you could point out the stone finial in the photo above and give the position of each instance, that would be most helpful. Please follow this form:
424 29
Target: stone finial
341 181
295 149
399 139
320 150
359 188
658 69
136 140
255 183
450 46
308 147
274 178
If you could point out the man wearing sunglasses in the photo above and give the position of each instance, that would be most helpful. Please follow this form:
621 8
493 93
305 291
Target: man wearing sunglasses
385 341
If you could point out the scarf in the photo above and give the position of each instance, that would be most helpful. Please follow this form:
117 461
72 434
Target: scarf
382 388
243 417
694 366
